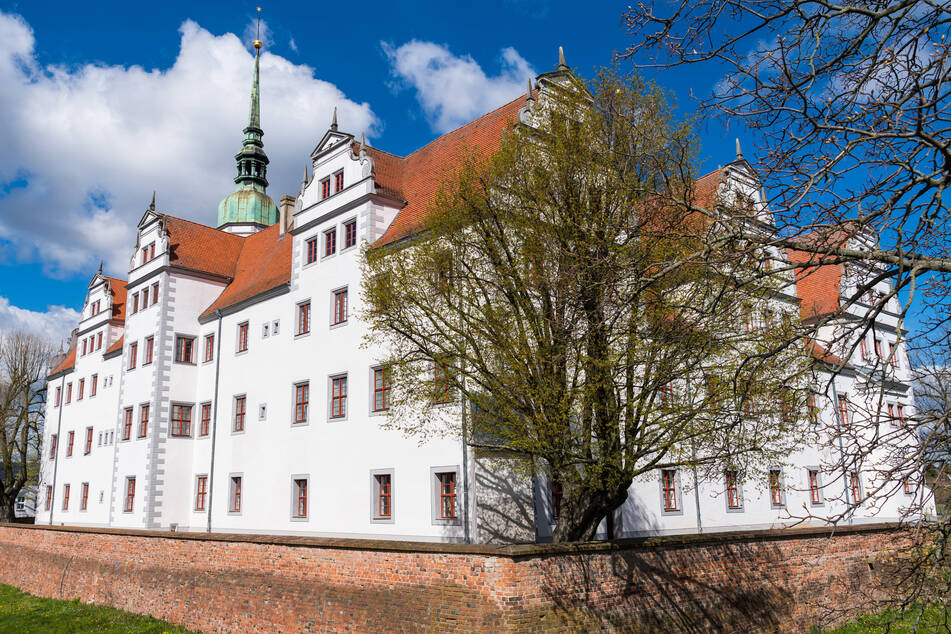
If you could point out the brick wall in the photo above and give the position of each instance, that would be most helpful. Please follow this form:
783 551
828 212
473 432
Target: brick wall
784 580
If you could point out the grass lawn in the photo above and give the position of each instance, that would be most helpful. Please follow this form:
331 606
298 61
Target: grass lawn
21 612
892 622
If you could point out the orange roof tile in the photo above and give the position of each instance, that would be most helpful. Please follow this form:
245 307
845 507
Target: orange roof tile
705 189
116 346
118 289
818 283
821 354
263 263
200 248
68 363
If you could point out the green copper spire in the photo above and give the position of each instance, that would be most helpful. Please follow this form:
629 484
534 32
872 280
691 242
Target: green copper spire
249 204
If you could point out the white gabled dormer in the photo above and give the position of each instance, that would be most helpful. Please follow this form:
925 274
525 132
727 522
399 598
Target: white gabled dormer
151 244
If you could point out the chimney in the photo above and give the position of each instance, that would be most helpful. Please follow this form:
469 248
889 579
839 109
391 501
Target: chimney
286 213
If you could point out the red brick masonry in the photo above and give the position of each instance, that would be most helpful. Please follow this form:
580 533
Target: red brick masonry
773 580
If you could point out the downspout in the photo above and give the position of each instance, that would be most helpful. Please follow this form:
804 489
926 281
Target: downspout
214 424
59 425
465 472
696 479
839 424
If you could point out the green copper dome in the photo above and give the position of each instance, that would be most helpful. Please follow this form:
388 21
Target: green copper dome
249 203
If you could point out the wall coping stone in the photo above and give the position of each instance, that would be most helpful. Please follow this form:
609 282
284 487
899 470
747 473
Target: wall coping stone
514 552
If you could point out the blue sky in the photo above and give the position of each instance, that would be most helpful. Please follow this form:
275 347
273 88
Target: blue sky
104 103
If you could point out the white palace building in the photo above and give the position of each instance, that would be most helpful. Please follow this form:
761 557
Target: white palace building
222 386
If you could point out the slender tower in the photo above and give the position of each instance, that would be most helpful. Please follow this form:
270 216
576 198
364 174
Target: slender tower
249 209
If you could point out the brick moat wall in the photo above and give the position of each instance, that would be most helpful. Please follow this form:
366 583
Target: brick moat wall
774 580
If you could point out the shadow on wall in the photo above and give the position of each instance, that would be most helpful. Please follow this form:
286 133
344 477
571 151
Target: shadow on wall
634 519
504 501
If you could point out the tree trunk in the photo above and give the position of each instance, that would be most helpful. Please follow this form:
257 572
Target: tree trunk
8 512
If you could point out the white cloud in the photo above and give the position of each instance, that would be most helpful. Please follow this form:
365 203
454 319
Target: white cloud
292 44
55 324
92 142
454 89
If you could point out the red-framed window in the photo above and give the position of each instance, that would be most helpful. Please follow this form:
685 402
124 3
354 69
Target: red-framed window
235 494
205 424
893 355
69 443
906 485
891 414
59 395
815 496
133 351
201 492
668 485
127 424
84 496
49 497
145 299
240 410
149 349
181 420
303 318
143 420
155 293
381 390
93 385
330 242
844 409
447 495
325 188
300 496
129 494
666 395
733 500
313 250
88 447
442 392
95 308
878 348
349 234
338 181
813 409
184 349
338 397
85 341
242 337
340 306
99 341
901 414
82 388
776 487
69 393
384 495
557 493
863 346
52 446
65 497
855 487
209 347
301 400
135 302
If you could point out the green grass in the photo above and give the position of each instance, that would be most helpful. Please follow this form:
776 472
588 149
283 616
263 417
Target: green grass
21 612
893 622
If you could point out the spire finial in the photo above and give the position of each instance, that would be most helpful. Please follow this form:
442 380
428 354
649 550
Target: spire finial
304 182
529 97
99 272
257 40
333 124
363 144
152 204
562 65
739 152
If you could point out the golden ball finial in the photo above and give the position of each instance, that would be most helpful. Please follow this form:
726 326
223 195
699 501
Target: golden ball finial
257 44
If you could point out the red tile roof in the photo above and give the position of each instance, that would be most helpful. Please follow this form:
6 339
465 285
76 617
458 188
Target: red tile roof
68 363
117 287
116 346
817 282
200 248
705 189
821 354
263 263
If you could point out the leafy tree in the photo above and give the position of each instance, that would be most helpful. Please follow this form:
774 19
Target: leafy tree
584 310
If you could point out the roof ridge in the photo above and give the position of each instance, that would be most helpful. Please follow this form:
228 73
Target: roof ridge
203 226
464 125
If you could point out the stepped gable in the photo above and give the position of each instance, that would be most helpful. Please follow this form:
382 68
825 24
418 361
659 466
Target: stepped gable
196 247
818 284
264 263
418 176
67 364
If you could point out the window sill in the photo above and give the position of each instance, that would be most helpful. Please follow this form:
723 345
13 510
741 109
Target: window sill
383 520
302 335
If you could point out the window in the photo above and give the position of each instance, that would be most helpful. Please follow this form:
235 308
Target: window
863 346
235 496
878 348
65 497
133 350
338 181
84 496
85 341
99 341
733 499
59 395
94 308
181 420
69 393
143 420
313 248
149 349
129 494
447 495
82 388
776 487
813 409
303 318
557 493
145 299
815 495
891 414
668 486
381 390
88 449
893 355
301 400
666 395
442 393
338 397
340 307
69 443
265 330
906 485
242 337
349 234
300 498
201 492
324 188
209 347
203 427
330 242
240 410
855 487
383 492
52 446
901 414
127 424
844 409
155 293
93 385
135 302
276 327
49 497
184 348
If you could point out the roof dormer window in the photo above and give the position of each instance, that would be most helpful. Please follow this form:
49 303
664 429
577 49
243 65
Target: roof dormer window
325 188
148 252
